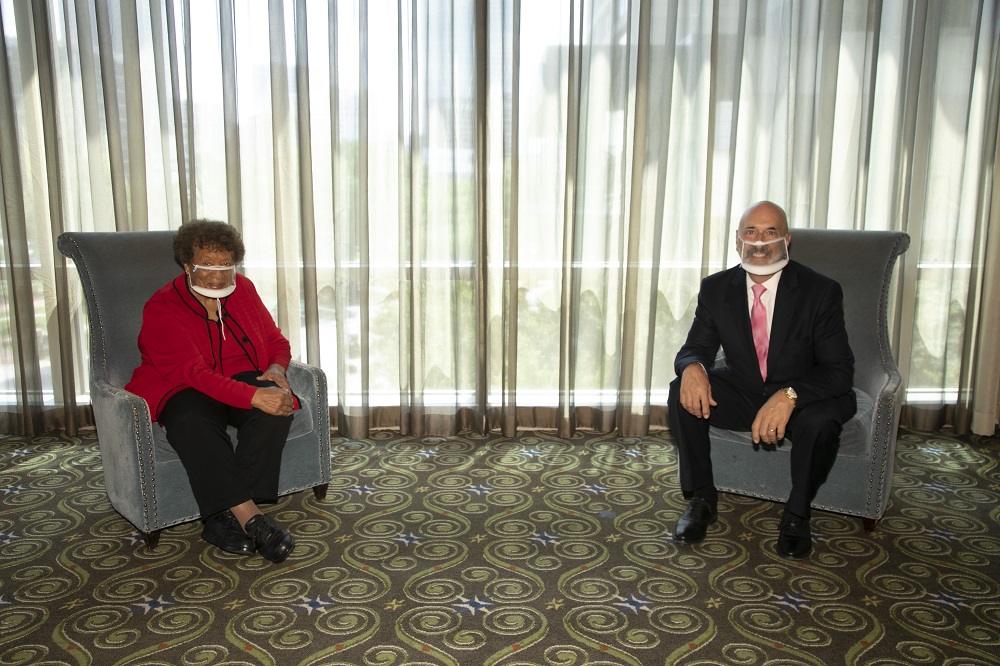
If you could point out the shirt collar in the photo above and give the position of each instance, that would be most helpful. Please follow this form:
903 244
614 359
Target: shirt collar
771 284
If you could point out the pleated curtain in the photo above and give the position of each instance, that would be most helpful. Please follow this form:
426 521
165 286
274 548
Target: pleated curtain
495 215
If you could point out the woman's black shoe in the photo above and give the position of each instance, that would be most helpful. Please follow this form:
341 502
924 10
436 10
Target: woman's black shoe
271 541
223 530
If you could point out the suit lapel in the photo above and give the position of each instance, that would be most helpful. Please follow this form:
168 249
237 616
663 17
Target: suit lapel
784 309
736 297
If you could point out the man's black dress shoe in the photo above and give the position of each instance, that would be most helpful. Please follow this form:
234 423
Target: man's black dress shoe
223 530
794 537
694 522
271 541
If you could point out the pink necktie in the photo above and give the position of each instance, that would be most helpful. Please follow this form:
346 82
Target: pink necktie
758 324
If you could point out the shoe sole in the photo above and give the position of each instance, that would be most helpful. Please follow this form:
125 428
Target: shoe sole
245 551
688 541
792 556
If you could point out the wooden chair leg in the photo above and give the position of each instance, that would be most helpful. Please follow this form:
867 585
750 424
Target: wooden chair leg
869 524
320 490
152 539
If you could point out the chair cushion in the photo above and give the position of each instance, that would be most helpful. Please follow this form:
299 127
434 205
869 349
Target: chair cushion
854 440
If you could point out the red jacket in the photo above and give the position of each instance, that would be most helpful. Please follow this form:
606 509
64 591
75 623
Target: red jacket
180 345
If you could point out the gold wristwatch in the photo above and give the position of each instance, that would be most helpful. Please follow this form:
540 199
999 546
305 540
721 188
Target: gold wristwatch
790 394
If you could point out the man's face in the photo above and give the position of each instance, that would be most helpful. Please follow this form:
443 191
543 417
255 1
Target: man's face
762 224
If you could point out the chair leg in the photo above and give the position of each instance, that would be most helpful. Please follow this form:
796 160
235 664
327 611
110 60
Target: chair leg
320 490
152 539
869 524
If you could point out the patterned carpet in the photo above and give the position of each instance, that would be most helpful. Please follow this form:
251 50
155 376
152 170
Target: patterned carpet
486 550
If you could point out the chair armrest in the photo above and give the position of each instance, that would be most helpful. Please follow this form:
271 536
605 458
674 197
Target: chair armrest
308 382
306 379
124 432
877 381
884 384
123 419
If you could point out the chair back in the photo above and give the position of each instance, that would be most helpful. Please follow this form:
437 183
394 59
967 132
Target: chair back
862 262
119 271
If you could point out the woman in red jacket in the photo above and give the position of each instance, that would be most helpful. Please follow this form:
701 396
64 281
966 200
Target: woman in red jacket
212 356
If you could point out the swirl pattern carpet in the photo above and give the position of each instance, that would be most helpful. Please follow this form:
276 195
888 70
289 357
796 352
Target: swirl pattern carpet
480 550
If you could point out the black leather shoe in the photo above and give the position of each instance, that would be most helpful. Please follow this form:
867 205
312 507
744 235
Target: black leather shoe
794 537
694 522
271 541
223 530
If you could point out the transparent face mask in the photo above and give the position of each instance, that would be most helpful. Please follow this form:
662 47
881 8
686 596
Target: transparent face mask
220 285
763 257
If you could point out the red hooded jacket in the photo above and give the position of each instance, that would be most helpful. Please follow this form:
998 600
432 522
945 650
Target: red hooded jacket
181 346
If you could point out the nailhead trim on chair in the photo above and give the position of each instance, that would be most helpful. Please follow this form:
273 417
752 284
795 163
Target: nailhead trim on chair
142 471
886 437
152 473
322 420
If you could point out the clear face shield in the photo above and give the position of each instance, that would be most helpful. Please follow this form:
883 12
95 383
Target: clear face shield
214 281
763 257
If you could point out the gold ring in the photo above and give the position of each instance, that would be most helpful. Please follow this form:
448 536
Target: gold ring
771 430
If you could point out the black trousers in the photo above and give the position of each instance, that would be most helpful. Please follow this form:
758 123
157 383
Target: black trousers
814 430
223 475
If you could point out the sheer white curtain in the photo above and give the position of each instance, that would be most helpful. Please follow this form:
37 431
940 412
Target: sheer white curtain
496 214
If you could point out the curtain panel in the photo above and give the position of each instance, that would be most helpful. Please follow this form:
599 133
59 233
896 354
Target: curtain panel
495 215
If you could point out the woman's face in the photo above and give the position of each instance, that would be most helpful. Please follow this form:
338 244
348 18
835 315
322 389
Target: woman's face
206 259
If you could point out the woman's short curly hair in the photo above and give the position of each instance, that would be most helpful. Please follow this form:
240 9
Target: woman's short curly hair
207 234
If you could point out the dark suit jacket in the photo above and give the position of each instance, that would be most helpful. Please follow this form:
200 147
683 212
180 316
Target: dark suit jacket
808 350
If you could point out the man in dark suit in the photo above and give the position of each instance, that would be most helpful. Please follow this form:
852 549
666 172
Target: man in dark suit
788 373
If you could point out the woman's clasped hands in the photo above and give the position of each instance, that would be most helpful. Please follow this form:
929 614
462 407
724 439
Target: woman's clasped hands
276 400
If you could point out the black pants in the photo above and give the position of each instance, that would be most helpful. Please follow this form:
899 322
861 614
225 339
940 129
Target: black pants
222 475
814 430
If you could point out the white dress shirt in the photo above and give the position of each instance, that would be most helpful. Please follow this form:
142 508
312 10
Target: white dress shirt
766 299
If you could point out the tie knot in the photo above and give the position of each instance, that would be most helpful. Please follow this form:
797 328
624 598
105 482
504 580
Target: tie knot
758 289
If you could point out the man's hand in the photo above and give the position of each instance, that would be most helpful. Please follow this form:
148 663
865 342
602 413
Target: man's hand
273 400
769 426
276 374
696 391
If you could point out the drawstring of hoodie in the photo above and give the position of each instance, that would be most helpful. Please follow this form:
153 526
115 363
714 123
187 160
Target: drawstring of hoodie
222 324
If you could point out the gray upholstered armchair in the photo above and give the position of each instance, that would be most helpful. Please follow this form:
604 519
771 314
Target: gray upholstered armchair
861 479
145 480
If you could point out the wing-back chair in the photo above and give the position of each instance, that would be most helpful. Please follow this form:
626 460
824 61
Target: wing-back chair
861 479
144 478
